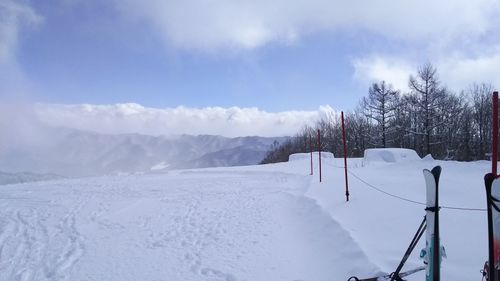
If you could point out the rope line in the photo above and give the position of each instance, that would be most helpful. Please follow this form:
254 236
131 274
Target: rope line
403 198
463 209
385 192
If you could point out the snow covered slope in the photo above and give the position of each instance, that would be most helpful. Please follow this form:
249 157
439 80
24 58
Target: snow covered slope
269 222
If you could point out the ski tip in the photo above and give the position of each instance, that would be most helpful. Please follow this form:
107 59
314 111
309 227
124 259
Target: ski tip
488 180
436 171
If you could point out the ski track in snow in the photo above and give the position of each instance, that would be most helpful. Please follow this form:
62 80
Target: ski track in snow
57 268
195 225
23 241
28 251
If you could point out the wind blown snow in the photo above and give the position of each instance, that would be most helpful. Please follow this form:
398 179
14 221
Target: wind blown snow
268 222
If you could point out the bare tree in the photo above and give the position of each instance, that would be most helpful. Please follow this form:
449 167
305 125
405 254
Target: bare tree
481 111
427 119
380 107
428 98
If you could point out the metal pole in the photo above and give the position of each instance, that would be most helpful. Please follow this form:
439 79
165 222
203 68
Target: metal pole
494 161
345 159
311 152
494 144
319 152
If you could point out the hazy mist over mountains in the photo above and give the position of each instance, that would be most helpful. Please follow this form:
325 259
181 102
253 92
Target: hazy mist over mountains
75 153
33 148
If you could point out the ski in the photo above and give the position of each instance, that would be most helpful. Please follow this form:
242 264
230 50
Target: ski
389 276
492 184
432 252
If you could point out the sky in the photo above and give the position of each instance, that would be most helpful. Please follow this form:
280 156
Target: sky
260 58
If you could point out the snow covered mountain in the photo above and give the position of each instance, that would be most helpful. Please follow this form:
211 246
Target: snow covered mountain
79 153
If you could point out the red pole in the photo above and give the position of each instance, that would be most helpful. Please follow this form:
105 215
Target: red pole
345 158
311 151
319 151
494 144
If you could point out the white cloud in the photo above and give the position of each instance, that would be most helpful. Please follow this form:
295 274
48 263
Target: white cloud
457 71
247 24
13 16
134 118
392 70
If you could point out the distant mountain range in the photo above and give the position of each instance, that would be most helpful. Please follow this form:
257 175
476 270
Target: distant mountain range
73 153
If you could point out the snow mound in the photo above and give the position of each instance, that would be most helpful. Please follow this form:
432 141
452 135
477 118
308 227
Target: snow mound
389 155
428 158
160 166
302 156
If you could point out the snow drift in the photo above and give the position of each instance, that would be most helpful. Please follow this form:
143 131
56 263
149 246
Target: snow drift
389 155
302 156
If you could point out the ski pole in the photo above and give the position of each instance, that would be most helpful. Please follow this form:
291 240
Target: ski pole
412 246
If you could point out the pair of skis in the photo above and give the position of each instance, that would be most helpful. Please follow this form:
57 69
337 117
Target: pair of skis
432 252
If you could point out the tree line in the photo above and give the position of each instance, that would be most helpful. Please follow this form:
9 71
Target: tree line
429 118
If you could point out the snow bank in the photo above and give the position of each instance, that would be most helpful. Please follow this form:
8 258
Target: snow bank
302 156
389 155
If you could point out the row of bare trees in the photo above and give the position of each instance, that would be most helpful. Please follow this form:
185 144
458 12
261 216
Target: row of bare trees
428 118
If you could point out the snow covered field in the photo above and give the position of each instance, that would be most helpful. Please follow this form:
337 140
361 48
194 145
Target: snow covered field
270 222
